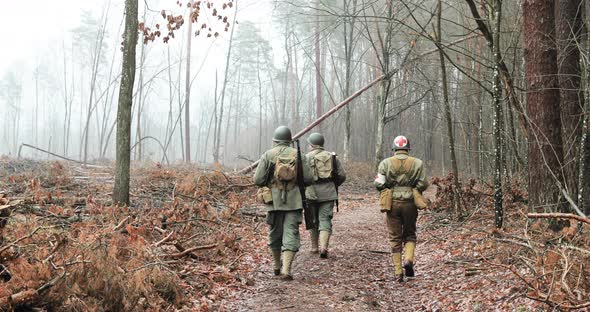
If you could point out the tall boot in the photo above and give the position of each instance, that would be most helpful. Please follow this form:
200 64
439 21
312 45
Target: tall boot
314 235
324 242
276 261
287 261
409 259
396 257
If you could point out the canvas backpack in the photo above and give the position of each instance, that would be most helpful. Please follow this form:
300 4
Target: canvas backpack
322 166
285 166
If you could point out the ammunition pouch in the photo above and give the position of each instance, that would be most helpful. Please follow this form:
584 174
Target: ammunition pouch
386 199
264 195
310 194
419 200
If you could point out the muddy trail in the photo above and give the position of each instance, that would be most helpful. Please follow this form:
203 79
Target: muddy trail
451 271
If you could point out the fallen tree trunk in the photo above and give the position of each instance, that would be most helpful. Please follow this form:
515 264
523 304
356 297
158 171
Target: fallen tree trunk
324 116
557 215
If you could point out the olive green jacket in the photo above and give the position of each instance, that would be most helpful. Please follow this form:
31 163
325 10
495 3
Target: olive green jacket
264 177
326 190
415 178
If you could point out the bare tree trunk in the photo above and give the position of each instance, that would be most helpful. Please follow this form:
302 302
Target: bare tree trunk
545 140
348 51
122 164
187 99
385 85
217 132
318 61
260 108
498 142
139 105
569 27
448 117
94 73
583 176
66 103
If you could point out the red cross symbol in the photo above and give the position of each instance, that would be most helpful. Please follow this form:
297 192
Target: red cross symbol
401 141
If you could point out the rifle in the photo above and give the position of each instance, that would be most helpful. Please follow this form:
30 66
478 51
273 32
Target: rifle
310 220
334 177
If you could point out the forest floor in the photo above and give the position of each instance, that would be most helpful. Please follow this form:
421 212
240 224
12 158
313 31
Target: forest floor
454 268
195 240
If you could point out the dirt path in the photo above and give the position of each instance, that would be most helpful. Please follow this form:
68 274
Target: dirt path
358 275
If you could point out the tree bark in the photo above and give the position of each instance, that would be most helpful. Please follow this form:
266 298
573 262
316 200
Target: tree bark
569 26
122 163
318 61
217 132
448 117
187 99
545 141
499 149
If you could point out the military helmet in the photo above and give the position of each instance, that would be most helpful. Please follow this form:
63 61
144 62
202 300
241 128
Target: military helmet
282 134
401 143
316 139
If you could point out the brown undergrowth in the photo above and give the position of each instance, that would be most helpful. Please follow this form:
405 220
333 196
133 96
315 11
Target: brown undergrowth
65 247
550 267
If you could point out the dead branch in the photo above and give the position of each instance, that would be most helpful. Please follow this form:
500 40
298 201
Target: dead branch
55 155
29 294
189 251
329 113
3 249
376 251
227 189
165 239
120 225
558 215
242 157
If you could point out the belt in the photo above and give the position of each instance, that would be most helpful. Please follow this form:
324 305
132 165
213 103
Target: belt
402 188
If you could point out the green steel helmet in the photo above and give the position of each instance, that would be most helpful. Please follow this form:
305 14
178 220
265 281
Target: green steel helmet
316 139
282 134
401 143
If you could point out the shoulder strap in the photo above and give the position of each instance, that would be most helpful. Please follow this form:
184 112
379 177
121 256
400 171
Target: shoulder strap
408 164
396 164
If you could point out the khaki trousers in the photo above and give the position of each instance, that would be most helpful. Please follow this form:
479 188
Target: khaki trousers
401 224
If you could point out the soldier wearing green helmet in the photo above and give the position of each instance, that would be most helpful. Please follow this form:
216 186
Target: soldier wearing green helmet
276 176
328 174
401 179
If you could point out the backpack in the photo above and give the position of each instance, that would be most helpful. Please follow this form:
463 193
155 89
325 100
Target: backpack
322 166
286 166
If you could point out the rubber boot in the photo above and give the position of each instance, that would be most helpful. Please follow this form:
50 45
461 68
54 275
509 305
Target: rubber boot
314 235
288 256
409 259
396 257
324 242
276 261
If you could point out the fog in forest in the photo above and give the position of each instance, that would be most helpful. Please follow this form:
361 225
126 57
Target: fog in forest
290 61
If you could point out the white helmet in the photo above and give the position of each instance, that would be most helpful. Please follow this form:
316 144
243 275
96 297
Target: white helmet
401 143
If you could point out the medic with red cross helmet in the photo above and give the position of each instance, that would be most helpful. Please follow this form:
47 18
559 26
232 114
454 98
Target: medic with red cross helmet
398 178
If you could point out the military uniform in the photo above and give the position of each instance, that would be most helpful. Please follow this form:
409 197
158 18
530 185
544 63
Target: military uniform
324 194
402 174
284 214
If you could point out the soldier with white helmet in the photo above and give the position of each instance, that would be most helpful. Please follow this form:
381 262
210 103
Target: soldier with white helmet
400 179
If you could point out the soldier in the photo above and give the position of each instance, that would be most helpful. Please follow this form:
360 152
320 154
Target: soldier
276 176
401 178
328 175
